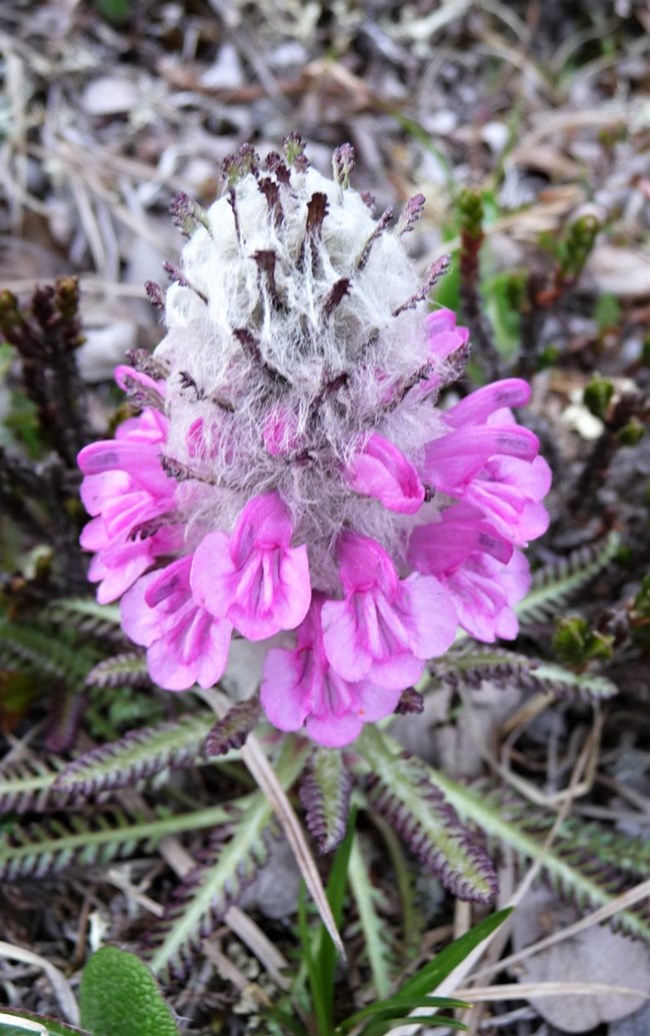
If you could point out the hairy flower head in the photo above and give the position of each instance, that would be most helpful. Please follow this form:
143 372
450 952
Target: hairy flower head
290 474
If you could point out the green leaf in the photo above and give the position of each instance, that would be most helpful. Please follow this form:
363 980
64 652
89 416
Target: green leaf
564 684
553 585
379 1028
406 792
45 652
325 795
572 878
138 754
210 889
119 997
59 842
375 930
319 952
28 784
84 615
12 1024
432 974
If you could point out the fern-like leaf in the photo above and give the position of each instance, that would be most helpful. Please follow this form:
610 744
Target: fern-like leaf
468 667
211 888
405 791
43 651
84 615
231 731
325 790
55 844
554 585
125 670
28 785
136 755
509 821
563 683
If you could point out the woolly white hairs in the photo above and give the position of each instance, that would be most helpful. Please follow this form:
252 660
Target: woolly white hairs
296 327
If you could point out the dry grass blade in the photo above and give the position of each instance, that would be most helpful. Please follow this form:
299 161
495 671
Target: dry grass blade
526 990
260 768
623 902
62 989
243 926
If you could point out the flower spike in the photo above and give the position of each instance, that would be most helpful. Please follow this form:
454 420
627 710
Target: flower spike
291 478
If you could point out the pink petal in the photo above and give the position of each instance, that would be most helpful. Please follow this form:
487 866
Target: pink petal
140 622
364 564
213 574
97 491
451 461
381 470
439 548
285 688
194 650
480 404
254 578
123 374
126 565
263 524
431 615
373 703
344 638
141 463
335 732
278 595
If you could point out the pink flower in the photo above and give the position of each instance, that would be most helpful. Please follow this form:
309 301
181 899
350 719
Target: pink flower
385 627
300 688
509 491
382 471
185 644
253 577
489 461
482 573
128 493
290 472
443 338
484 402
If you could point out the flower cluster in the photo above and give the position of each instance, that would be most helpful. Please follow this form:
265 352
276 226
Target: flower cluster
289 478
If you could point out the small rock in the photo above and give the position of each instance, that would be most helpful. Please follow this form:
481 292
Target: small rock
110 95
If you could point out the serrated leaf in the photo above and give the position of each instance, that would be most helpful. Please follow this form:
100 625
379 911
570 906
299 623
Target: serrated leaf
43 651
29 785
325 791
35 850
468 666
215 887
553 585
491 815
564 684
406 792
127 669
119 996
86 616
231 731
139 754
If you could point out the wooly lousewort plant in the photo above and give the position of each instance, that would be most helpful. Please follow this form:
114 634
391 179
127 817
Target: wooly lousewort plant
290 458
291 497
